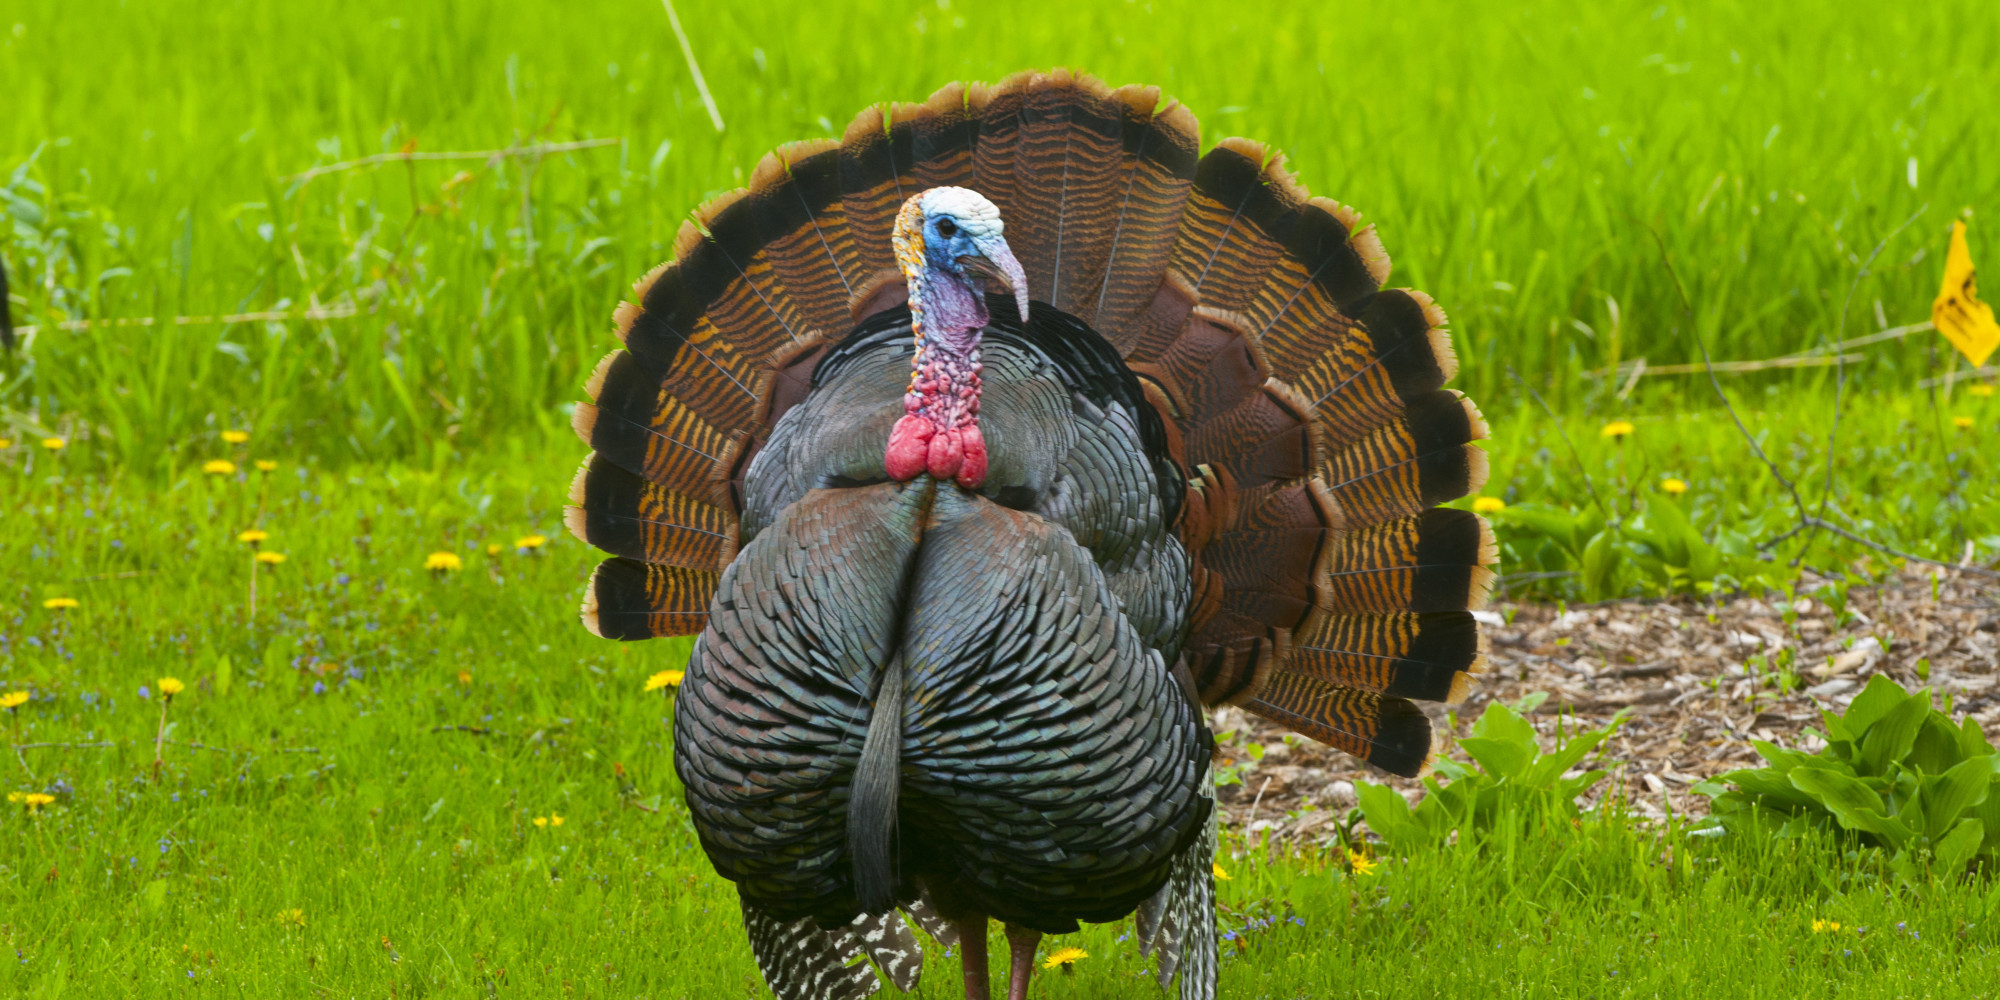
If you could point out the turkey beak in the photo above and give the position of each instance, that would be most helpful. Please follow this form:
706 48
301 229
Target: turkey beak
996 263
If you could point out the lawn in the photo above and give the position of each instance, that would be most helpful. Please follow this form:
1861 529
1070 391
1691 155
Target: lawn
347 796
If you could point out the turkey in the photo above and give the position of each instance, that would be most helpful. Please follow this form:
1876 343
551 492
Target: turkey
983 450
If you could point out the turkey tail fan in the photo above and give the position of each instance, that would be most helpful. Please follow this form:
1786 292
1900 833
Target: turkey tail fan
1390 733
721 340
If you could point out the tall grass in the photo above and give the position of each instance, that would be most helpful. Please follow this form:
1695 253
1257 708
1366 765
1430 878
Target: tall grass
1527 162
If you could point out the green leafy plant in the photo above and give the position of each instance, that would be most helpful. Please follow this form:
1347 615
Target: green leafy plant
1514 787
1895 772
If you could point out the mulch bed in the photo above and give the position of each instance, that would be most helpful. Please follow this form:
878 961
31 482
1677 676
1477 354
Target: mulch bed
1701 681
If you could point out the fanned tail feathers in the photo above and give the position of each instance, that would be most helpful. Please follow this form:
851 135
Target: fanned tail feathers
1306 401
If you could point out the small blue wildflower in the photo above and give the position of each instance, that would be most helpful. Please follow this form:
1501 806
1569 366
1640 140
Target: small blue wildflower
341 579
319 687
145 692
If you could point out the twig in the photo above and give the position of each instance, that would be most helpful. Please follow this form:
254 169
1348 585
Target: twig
23 758
1892 333
1640 367
1252 814
474 730
491 156
336 312
1951 377
687 52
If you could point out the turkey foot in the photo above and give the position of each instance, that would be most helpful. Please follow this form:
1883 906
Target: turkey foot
972 957
1021 944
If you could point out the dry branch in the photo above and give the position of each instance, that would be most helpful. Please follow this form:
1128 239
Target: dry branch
491 156
335 312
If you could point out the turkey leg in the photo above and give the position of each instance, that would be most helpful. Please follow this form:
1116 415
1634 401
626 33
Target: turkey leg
1021 944
972 957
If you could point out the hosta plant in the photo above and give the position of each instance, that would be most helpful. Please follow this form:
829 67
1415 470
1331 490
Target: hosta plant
1895 772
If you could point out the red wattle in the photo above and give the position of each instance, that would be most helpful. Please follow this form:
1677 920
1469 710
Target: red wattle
972 474
909 447
947 454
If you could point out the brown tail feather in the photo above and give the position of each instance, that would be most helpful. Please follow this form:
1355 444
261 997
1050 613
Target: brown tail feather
1415 462
1424 656
1435 561
1390 733
626 515
627 599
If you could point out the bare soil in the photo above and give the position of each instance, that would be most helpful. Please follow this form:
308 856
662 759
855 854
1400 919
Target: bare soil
1701 680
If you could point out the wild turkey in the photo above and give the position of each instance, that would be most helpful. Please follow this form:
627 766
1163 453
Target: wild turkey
960 610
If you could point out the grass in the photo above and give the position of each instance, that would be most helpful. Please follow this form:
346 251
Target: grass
1531 164
359 817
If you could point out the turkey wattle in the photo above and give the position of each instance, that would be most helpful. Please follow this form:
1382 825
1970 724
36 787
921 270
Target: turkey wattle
983 449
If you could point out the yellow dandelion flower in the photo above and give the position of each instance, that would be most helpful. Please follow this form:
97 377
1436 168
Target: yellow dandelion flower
236 437
1981 389
5 443
1221 873
36 800
1673 486
1063 957
465 677
1962 423
17 797
555 820
1825 926
1361 864
292 918
530 542
266 465
541 821
219 467
1617 429
493 548
1488 505
271 558
59 603
665 679
443 562
171 686
54 444
13 700
253 536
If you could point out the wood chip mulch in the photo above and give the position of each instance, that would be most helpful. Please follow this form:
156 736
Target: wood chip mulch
1701 680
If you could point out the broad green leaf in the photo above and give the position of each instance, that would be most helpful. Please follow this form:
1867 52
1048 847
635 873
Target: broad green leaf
1387 812
1952 794
1499 722
1851 803
1972 739
1955 850
1890 738
1936 749
1874 702
1501 758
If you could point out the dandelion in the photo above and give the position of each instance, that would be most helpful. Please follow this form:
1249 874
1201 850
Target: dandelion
5 443
271 558
1825 926
493 548
1617 429
1221 873
33 800
464 677
665 679
266 465
59 603
219 467
541 821
13 700
253 536
1962 423
1673 486
1488 505
292 918
171 686
236 437
54 444
1062 958
1982 390
443 562
1361 864
555 820
530 542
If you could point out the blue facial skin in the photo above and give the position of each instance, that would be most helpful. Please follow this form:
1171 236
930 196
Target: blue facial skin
942 251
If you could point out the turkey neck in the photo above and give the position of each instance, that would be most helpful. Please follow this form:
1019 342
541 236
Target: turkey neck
939 430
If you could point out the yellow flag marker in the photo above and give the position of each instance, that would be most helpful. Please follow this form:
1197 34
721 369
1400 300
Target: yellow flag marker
1958 313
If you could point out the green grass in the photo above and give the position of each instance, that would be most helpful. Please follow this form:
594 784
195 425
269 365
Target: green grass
1526 163
324 785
